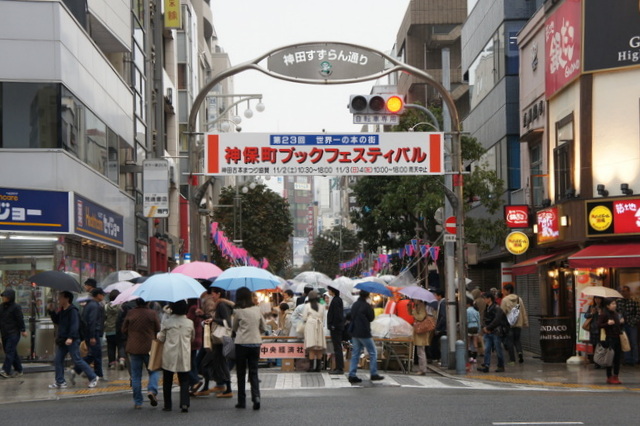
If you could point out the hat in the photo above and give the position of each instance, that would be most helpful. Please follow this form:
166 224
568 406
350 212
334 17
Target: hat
96 291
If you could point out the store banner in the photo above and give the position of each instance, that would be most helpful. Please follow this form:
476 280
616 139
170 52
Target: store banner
563 46
98 223
26 210
172 14
613 217
549 229
611 34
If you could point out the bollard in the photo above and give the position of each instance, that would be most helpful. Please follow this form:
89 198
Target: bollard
461 357
444 351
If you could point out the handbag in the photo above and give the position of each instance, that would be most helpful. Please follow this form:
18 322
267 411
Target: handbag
603 356
155 355
586 325
228 347
625 346
426 325
219 331
206 336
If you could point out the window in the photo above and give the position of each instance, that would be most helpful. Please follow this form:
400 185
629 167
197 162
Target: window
537 188
563 159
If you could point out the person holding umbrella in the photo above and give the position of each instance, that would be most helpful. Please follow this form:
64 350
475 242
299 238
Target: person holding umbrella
361 317
314 340
67 319
418 310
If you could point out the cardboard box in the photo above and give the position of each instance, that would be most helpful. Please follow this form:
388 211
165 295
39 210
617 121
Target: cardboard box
288 364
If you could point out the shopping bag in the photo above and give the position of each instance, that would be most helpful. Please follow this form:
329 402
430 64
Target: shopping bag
603 356
206 336
155 355
624 342
219 331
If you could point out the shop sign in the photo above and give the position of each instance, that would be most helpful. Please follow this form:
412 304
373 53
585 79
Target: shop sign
613 217
516 216
613 42
26 210
270 350
517 243
98 223
563 45
548 225
155 184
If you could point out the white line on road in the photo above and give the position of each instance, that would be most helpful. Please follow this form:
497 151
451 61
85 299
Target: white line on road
536 423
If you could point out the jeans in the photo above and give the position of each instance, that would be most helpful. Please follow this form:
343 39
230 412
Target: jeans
358 344
336 340
11 358
167 382
79 364
94 356
631 357
512 343
492 341
137 362
247 356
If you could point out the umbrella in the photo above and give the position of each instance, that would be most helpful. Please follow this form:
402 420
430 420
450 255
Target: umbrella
118 276
138 280
120 286
56 280
247 276
390 326
315 279
169 287
344 285
419 293
199 270
601 291
126 295
374 287
387 278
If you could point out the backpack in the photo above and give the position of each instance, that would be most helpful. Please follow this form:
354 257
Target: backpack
514 314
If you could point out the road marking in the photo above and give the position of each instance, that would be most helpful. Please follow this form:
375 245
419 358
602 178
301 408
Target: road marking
536 423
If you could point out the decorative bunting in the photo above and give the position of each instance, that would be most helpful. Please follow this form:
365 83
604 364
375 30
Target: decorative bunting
232 252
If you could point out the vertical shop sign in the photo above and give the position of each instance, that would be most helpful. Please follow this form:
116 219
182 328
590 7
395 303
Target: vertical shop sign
563 46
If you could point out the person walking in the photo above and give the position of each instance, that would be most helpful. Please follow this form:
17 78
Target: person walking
93 328
361 317
595 309
629 308
141 325
612 323
494 330
177 332
248 327
418 310
11 327
473 327
335 324
314 340
509 301
441 326
67 341
221 316
115 342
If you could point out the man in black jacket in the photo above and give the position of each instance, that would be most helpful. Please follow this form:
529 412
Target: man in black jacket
335 323
361 317
93 324
495 327
11 326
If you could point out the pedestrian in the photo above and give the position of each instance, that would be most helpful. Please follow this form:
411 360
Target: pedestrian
509 301
91 332
441 326
288 299
177 332
115 342
335 324
90 284
421 342
220 317
595 310
284 319
195 315
141 324
67 340
361 317
494 330
248 326
473 327
612 323
11 327
314 340
305 293
629 308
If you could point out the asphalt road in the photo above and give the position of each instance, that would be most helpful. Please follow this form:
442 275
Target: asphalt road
356 406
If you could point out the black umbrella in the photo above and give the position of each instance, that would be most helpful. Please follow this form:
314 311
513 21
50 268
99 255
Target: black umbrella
56 280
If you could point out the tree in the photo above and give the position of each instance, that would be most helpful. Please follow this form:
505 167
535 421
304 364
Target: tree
264 224
331 248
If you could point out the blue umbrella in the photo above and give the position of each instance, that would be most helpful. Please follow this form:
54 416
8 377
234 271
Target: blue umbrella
374 287
246 276
169 288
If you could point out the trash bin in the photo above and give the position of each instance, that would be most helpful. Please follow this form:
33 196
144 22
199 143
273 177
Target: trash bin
45 339
557 338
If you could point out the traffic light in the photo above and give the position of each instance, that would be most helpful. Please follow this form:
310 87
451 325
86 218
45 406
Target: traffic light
385 104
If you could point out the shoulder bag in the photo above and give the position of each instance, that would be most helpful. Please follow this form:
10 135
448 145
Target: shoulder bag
426 325
586 325
603 356
219 331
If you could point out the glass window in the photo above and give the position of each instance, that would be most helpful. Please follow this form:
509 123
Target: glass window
563 159
72 122
513 153
113 165
484 72
96 142
537 188
511 54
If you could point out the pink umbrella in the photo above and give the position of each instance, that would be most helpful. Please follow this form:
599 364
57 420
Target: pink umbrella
126 295
198 270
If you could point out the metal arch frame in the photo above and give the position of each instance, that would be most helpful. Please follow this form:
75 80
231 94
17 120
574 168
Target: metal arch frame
396 67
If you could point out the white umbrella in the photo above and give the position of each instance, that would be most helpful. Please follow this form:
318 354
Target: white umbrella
120 286
118 276
390 326
315 279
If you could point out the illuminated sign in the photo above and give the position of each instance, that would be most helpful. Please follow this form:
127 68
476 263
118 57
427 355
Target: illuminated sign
613 217
97 223
548 225
516 216
517 243
34 211
563 46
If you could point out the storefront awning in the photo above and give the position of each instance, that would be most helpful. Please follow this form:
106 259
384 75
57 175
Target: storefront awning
530 266
607 256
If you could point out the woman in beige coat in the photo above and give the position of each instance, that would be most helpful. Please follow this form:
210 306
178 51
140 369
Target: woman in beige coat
418 311
176 332
314 340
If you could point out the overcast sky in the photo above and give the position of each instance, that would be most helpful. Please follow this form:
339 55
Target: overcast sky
247 29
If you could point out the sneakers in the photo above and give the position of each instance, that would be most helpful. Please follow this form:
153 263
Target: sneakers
122 364
153 399
355 379
62 385
376 377
94 382
4 374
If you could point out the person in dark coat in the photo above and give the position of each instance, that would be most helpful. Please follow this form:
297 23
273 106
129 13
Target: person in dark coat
335 323
11 326
495 328
93 317
441 326
361 317
612 323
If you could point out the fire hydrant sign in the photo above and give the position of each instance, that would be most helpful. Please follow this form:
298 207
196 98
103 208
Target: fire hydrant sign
358 154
